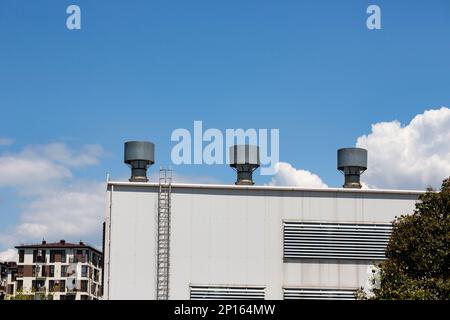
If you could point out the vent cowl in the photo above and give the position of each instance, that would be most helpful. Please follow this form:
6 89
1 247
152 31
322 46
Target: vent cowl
352 162
139 155
244 159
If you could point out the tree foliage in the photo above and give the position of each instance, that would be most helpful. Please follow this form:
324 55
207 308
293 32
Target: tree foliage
418 254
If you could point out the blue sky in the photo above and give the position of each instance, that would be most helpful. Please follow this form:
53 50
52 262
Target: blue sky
140 69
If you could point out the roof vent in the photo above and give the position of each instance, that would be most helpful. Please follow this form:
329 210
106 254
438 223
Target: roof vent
352 162
244 159
62 241
139 155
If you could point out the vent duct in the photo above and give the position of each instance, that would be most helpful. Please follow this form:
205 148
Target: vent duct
352 162
318 294
341 241
244 159
139 155
226 293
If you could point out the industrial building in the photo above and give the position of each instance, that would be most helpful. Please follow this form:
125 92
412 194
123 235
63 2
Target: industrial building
165 240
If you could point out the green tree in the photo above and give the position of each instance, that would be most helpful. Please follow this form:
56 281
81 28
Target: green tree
20 295
418 254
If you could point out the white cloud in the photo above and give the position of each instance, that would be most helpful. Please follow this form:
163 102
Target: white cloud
8 255
413 156
60 153
73 213
46 164
20 171
6 141
54 203
289 176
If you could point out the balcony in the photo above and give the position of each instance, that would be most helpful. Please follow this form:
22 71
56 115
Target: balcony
78 286
57 286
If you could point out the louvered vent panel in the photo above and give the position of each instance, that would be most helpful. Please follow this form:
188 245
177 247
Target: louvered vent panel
226 293
318 294
335 241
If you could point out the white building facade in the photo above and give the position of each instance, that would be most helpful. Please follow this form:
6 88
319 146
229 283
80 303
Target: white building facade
257 242
59 271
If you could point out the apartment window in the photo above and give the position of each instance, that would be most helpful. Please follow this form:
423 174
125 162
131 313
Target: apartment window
58 256
10 289
79 257
19 285
37 285
63 271
38 255
51 272
51 285
93 289
83 285
84 271
305 240
62 285
13 275
96 273
226 293
21 256
2 271
57 285
318 294
44 271
20 271
52 255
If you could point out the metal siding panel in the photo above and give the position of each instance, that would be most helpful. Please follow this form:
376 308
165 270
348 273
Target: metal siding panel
133 246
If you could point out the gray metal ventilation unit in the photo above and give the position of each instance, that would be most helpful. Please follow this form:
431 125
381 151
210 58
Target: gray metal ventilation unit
318 294
244 159
226 293
139 155
352 162
341 241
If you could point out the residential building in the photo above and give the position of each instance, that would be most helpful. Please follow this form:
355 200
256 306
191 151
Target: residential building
59 271
11 269
3 279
